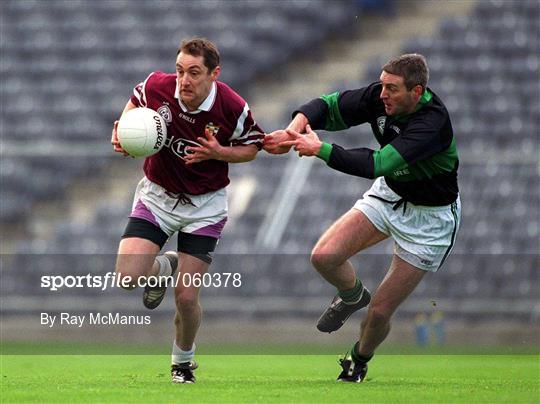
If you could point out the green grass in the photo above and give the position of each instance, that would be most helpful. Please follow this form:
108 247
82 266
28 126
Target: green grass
81 348
270 378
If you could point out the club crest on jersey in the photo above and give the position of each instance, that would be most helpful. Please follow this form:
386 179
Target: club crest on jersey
165 113
178 147
381 121
211 128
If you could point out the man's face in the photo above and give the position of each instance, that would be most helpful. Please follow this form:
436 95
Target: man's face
397 99
194 79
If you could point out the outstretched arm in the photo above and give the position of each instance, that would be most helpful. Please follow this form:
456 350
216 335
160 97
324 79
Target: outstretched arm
362 162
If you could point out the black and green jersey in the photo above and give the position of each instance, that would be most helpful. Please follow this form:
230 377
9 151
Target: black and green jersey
418 156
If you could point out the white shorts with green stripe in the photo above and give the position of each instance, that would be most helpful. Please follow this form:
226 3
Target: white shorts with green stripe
423 235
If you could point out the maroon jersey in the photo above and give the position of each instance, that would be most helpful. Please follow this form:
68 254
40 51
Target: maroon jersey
224 113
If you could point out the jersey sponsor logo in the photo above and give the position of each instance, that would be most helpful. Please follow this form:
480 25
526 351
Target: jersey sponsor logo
399 173
381 121
178 147
186 118
211 128
165 112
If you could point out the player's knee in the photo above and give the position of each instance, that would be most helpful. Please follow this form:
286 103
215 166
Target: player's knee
187 301
323 259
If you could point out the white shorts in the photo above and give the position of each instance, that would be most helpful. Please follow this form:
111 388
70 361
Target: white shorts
423 235
206 218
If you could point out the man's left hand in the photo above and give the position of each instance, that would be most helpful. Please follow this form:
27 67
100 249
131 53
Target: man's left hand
210 149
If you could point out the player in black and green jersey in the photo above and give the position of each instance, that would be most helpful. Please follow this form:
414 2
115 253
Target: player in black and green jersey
414 198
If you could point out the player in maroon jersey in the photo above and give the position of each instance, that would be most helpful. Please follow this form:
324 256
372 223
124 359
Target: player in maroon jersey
183 191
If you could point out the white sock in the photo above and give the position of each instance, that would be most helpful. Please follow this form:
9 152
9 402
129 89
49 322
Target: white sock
179 356
164 264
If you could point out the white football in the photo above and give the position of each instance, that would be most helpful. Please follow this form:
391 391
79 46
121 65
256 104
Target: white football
141 132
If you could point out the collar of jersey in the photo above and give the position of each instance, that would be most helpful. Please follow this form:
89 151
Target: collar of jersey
424 99
206 104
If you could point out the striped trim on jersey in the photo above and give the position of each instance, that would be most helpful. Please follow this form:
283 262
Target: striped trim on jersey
242 135
140 91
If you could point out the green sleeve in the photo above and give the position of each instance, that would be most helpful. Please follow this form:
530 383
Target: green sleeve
387 160
334 120
324 153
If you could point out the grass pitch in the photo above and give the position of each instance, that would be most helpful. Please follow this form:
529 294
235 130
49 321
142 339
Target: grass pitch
271 378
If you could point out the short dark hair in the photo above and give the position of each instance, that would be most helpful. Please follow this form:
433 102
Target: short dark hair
201 47
412 67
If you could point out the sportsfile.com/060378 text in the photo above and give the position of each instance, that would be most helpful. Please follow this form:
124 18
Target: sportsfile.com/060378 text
111 280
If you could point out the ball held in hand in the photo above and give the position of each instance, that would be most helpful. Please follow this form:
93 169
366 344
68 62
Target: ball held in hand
142 132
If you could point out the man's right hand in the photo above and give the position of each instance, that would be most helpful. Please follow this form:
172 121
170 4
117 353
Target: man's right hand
114 140
272 142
